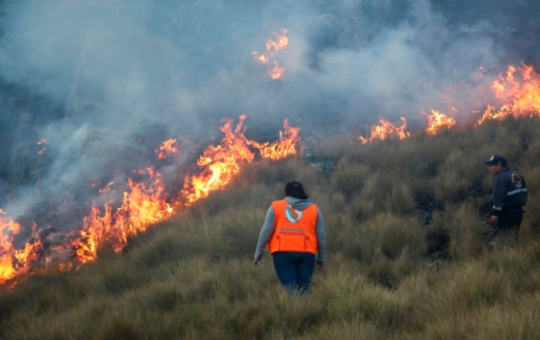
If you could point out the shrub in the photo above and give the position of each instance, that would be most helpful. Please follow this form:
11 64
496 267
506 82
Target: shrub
387 236
349 178
346 331
465 228
384 194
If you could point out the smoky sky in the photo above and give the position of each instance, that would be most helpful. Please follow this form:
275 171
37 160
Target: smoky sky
113 71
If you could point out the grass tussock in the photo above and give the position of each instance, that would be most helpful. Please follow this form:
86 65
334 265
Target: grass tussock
407 255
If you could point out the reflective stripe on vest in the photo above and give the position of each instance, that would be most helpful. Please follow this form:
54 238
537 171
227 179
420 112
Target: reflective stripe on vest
293 230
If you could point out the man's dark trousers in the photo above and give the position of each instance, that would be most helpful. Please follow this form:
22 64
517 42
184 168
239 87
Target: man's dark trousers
509 222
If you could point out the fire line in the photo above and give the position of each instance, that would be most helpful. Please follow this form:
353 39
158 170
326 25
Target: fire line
143 203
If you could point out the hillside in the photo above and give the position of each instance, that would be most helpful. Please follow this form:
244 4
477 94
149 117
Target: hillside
407 255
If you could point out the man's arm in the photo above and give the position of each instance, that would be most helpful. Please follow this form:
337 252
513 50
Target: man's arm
265 234
321 237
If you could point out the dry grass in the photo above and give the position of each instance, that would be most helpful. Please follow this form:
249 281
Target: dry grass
388 275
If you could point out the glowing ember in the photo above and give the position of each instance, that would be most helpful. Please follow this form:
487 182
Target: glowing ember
480 73
277 71
519 90
41 142
272 48
106 188
384 129
437 121
167 148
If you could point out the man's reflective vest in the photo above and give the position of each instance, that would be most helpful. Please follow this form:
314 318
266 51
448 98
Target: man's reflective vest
293 230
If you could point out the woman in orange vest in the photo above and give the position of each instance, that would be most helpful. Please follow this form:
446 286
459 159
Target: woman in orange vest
295 234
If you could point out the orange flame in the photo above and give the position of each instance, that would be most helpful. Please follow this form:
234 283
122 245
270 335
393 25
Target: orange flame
437 121
8 229
13 261
286 146
142 205
167 148
277 71
220 163
30 253
272 48
384 129
519 90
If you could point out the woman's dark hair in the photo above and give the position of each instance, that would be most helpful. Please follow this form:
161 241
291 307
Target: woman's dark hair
296 190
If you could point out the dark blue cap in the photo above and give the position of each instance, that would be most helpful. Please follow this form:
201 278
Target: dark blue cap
496 159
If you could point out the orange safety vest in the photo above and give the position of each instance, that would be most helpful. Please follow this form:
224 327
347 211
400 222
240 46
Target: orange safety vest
293 230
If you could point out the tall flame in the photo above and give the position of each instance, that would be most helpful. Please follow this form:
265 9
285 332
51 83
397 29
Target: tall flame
219 163
519 90
437 121
8 229
16 261
384 129
143 204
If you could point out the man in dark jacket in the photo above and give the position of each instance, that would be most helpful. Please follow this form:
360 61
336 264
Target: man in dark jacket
509 196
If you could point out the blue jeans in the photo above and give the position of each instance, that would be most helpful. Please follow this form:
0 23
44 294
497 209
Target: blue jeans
294 269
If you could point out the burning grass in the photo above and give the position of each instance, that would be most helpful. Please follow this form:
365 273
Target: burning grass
144 202
192 277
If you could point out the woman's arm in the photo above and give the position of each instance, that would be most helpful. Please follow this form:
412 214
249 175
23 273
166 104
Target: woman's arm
321 236
266 233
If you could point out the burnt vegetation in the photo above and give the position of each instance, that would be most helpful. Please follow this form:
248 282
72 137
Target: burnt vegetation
407 255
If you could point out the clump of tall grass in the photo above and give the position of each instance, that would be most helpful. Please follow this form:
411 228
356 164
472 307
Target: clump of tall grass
387 236
349 178
467 232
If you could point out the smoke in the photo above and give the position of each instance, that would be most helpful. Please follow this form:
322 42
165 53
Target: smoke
419 65
120 76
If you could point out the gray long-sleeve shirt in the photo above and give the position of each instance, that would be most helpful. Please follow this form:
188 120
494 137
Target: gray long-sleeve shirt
301 205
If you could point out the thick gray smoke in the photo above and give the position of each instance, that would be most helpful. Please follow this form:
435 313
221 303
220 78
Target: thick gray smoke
104 79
